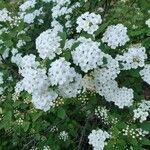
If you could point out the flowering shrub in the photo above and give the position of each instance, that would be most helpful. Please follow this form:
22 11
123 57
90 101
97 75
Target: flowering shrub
74 74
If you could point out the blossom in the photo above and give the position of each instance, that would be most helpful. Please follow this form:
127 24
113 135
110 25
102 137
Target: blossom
97 138
115 35
133 58
4 15
27 5
142 112
88 22
148 22
60 72
48 44
88 55
145 73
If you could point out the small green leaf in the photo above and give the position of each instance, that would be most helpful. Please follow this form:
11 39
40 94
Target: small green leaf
75 45
145 141
35 116
63 36
146 125
61 113
26 126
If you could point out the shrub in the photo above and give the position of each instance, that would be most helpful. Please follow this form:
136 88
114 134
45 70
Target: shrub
74 74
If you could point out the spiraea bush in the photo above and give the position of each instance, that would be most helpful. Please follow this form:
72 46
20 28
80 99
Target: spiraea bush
74 74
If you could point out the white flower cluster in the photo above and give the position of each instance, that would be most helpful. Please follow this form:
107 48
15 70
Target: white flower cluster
134 58
115 35
27 5
60 72
88 55
142 112
46 147
98 139
148 22
1 82
145 73
71 89
102 113
30 17
62 7
35 82
63 135
4 15
134 133
48 44
62 75
121 97
88 22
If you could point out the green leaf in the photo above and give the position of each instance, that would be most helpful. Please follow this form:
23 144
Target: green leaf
63 36
6 122
67 55
145 141
8 43
146 125
75 45
61 113
101 28
36 115
26 126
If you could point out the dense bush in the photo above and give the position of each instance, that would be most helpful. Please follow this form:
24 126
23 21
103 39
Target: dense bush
74 74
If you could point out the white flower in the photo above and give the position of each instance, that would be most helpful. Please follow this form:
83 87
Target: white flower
71 89
29 17
1 82
61 73
122 97
4 15
134 58
145 73
148 22
48 44
88 22
115 35
98 139
63 135
88 55
44 101
142 112
27 5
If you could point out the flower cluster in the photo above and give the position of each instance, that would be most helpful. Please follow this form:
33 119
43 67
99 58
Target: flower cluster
36 82
88 55
27 5
1 82
148 23
145 73
115 35
48 44
142 112
63 135
134 133
60 72
5 15
102 113
134 58
88 22
97 139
